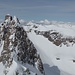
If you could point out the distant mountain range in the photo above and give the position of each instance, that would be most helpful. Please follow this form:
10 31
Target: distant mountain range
36 47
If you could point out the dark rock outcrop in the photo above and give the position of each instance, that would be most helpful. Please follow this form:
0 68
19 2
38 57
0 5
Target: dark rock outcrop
17 43
56 38
8 17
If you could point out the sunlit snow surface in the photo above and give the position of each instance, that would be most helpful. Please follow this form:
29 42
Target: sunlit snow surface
49 52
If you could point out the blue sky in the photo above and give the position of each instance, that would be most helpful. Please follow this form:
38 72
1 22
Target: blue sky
59 10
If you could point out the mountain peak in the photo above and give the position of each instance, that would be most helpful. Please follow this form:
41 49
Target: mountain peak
16 49
9 20
8 16
16 19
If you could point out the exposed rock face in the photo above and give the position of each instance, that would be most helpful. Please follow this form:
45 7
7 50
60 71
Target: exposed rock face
27 53
56 38
8 16
17 45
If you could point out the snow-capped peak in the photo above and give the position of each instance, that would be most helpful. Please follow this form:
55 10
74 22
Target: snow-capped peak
15 19
22 21
7 14
46 21
16 49
37 48
30 23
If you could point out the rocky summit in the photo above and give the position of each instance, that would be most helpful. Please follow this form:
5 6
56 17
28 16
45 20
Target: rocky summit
18 54
36 47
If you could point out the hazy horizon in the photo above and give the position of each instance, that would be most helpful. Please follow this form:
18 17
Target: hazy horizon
57 10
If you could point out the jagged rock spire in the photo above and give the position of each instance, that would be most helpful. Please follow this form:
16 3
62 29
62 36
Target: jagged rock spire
9 20
17 46
16 20
8 16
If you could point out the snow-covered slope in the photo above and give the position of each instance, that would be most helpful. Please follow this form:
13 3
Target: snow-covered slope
18 56
36 48
58 59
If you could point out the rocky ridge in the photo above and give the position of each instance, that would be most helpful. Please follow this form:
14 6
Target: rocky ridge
16 46
57 38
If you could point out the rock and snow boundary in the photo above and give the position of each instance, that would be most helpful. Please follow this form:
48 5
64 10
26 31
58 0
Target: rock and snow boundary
36 48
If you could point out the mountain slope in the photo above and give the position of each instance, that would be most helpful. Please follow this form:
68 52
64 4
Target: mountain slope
17 54
58 59
36 48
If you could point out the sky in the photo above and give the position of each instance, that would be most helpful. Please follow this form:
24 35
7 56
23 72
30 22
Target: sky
53 10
